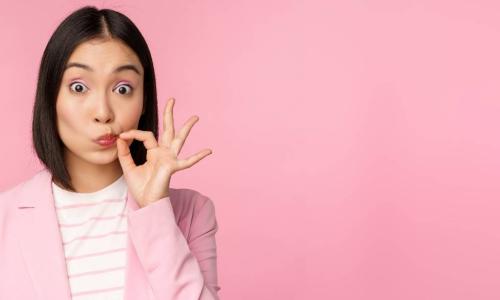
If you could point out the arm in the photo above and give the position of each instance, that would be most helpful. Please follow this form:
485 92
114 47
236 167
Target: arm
177 268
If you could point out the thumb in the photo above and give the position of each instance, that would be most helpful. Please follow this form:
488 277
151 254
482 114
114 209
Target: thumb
124 156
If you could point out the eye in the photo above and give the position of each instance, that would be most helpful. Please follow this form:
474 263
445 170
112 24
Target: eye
124 89
77 87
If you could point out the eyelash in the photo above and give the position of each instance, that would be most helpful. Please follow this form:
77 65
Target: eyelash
77 82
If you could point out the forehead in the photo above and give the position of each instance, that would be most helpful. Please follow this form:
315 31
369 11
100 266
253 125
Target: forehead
103 55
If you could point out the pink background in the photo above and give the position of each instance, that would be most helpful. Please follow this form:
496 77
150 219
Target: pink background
355 142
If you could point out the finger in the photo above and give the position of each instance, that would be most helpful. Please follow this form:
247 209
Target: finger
179 140
188 162
168 124
146 137
124 156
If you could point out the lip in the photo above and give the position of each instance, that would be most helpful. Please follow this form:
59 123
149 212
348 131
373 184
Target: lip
106 140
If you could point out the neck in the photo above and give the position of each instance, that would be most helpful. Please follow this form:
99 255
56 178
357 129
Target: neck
88 177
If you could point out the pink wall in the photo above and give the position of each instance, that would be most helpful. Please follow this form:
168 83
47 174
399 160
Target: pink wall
355 152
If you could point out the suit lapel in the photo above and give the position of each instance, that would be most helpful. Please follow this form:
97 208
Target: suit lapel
40 240
41 244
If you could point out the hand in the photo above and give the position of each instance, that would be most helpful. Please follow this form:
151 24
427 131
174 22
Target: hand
150 181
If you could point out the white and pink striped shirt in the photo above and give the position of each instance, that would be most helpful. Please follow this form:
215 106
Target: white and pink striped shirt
93 228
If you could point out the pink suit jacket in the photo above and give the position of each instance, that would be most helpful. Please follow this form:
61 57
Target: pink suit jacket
171 252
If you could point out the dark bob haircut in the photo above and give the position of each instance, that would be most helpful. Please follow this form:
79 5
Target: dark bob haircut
80 26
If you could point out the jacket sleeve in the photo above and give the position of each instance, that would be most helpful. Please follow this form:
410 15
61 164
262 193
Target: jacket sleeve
177 268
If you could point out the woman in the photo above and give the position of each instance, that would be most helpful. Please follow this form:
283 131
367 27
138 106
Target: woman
100 220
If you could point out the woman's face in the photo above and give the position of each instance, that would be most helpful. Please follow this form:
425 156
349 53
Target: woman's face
98 96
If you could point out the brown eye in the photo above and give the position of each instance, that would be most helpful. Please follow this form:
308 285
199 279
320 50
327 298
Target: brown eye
77 87
124 89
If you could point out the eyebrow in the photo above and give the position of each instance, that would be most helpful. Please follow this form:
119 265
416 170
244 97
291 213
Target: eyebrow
118 69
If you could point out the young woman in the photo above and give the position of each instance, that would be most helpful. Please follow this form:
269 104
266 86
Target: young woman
100 221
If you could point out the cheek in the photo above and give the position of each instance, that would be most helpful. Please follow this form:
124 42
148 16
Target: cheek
131 114
67 117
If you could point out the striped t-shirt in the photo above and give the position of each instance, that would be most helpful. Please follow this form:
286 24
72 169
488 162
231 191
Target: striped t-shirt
93 228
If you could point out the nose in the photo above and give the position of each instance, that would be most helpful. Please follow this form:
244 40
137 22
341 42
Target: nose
103 111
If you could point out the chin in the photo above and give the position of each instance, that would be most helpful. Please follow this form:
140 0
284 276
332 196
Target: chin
102 157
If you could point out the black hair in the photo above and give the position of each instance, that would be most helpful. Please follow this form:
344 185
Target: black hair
82 25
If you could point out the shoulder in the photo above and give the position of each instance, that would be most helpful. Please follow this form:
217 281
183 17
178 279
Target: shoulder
20 190
18 194
188 200
194 211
